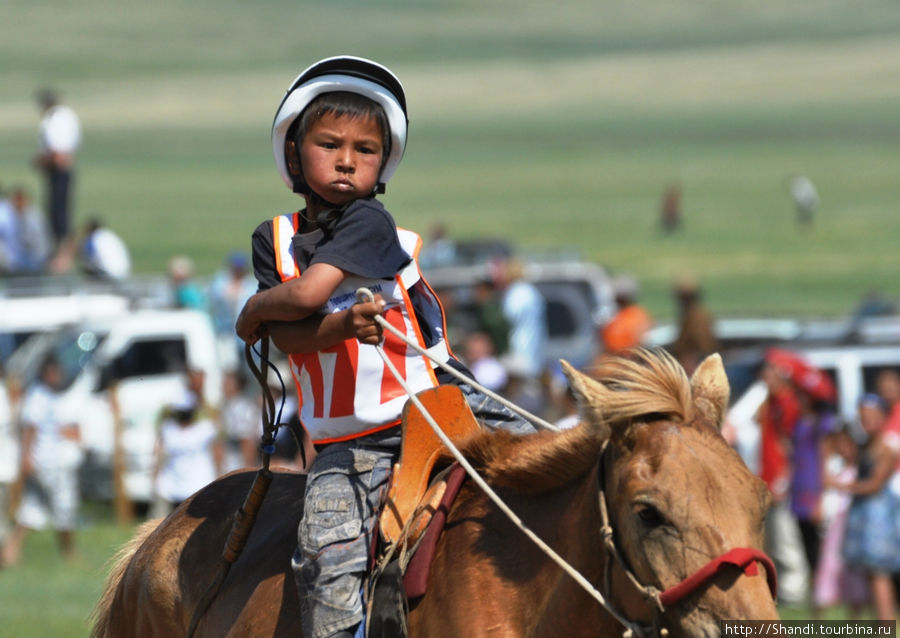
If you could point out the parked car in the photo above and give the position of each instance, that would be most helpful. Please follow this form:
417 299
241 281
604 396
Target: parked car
124 370
736 333
31 305
579 298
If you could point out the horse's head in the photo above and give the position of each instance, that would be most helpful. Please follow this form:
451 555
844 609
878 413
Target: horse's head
678 496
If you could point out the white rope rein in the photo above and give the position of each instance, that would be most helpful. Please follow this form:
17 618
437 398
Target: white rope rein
365 294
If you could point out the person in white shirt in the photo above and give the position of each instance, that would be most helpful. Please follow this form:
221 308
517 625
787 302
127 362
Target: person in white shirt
526 310
806 198
188 454
103 253
228 291
60 137
51 454
9 459
240 421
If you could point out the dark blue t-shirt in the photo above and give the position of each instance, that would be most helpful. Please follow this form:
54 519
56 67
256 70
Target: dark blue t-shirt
360 239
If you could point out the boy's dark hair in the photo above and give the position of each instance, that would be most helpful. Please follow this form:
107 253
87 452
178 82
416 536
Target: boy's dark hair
342 104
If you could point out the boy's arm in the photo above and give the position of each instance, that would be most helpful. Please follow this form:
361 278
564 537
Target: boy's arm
319 332
291 301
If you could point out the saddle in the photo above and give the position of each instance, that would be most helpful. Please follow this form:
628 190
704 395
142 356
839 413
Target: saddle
415 509
411 501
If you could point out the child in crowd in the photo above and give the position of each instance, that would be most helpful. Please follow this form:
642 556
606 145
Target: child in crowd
188 454
837 582
815 422
338 137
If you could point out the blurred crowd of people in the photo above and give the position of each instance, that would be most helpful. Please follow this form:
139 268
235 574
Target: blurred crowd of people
834 526
37 239
502 333
41 453
833 529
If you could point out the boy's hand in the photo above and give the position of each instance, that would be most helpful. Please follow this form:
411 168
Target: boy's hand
247 328
361 321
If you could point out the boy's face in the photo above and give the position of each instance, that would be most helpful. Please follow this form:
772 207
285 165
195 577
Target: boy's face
341 157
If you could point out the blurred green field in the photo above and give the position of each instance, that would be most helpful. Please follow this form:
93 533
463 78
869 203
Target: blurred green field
553 124
43 596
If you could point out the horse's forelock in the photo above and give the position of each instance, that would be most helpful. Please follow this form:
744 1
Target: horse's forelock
642 386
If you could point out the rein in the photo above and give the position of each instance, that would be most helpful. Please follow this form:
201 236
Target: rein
743 558
365 294
245 517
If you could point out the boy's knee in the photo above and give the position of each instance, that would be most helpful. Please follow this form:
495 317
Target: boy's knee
331 517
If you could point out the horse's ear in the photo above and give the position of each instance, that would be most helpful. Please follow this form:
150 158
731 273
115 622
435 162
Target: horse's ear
710 389
589 393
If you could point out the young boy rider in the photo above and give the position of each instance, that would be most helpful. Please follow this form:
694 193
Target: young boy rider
338 136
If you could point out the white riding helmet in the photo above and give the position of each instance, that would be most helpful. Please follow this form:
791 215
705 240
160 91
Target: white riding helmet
344 73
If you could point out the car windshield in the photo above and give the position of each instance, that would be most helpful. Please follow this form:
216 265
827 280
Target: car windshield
74 349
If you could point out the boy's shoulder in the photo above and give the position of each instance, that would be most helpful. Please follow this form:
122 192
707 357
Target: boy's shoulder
368 205
362 216
263 237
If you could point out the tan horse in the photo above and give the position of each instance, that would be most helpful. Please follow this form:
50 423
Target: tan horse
677 497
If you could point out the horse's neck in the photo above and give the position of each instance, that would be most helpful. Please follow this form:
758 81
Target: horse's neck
486 573
569 609
568 520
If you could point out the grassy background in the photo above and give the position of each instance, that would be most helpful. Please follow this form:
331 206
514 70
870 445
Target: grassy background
44 597
553 124
557 125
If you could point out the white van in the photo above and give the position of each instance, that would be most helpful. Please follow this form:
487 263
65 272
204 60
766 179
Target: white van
137 362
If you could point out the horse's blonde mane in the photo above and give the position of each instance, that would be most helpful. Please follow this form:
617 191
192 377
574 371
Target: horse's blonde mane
119 562
646 383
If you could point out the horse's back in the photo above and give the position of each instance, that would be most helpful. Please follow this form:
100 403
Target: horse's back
172 570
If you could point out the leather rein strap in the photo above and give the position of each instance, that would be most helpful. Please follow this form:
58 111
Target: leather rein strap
245 517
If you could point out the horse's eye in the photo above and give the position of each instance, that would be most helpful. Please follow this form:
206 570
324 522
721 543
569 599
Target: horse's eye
649 516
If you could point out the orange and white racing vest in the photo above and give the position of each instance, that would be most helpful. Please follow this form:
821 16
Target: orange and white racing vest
347 391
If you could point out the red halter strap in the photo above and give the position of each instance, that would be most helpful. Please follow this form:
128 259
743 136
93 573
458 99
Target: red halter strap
744 558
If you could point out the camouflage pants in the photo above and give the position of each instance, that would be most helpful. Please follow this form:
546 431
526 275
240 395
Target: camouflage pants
344 489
